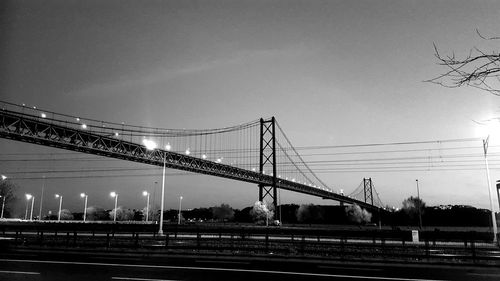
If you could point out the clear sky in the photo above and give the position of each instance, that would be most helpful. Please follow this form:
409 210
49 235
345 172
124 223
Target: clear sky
331 72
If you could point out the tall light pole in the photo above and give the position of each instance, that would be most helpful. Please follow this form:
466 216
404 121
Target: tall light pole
32 203
41 200
419 207
60 206
180 208
493 219
115 195
83 195
151 145
28 197
145 193
3 205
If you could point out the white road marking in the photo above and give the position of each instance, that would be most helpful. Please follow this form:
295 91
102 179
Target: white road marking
19 272
223 269
221 262
349 268
139 279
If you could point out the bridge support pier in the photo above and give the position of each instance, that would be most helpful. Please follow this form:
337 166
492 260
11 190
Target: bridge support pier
267 163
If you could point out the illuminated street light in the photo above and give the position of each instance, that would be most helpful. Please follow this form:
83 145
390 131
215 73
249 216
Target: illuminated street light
115 195
4 177
204 156
83 195
145 193
28 197
188 152
180 208
43 115
151 145
60 206
84 126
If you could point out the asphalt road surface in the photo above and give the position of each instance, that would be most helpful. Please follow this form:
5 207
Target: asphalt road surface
77 267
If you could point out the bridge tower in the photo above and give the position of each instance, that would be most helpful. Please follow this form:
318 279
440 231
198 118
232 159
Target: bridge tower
368 190
267 161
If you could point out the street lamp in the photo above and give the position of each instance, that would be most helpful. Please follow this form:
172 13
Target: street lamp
493 219
180 208
115 195
151 145
419 207
145 193
83 195
3 205
32 203
60 206
28 197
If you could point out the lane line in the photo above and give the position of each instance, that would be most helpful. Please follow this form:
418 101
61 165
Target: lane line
140 279
485 274
349 268
221 262
224 269
19 272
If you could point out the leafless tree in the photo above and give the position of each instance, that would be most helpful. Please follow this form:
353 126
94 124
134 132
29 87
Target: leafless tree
478 69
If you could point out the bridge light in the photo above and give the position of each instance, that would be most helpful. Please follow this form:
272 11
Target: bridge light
84 126
219 160
204 156
188 152
34 107
168 146
253 169
77 119
116 134
43 115
293 180
4 177
149 144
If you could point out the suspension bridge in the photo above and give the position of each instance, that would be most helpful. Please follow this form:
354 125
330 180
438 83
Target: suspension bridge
257 152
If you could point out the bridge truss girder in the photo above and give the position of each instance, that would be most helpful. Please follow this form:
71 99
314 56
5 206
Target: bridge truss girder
33 129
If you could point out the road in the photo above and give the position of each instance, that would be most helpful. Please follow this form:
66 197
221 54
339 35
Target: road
85 267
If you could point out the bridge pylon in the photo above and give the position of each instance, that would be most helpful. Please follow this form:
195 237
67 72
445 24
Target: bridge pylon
368 190
267 161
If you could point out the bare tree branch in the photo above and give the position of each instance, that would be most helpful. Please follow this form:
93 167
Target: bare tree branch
478 69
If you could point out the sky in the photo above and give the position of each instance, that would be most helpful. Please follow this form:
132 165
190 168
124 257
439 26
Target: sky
333 73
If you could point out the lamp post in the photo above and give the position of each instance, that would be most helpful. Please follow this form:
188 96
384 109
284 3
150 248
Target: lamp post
419 207
60 206
493 219
115 195
83 195
3 205
145 193
32 203
151 145
28 197
41 200
180 208
3 196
